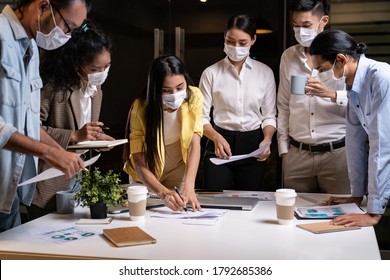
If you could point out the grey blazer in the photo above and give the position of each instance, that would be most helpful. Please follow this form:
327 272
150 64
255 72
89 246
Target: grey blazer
60 115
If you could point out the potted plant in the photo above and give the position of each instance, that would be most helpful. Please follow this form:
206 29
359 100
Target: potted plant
98 191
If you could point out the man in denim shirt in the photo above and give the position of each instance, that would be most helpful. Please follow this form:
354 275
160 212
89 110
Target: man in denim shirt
21 138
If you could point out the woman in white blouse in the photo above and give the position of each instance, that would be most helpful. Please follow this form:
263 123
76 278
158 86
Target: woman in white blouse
242 93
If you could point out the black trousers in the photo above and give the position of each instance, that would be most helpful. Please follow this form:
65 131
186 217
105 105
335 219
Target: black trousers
246 174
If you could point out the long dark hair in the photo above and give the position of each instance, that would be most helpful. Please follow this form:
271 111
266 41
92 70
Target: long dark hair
161 67
59 67
330 42
244 23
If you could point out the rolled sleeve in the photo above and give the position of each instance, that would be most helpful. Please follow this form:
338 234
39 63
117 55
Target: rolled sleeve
269 107
6 130
283 105
137 128
198 128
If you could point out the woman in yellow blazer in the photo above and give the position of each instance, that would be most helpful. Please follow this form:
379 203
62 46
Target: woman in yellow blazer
164 128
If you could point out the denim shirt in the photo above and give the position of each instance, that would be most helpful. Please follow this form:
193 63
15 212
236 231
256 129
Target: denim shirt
19 107
368 134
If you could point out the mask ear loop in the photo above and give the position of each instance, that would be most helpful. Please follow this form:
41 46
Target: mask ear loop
334 63
52 15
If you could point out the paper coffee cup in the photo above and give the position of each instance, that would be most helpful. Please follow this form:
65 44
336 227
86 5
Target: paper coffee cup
136 196
285 205
298 84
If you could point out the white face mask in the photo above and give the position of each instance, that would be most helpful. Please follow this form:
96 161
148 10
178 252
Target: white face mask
236 53
328 79
174 100
305 36
55 39
98 78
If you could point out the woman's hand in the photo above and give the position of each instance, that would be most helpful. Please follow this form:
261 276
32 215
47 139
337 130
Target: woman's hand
173 201
188 193
263 156
221 147
90 131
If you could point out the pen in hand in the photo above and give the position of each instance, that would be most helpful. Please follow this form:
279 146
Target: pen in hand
177 191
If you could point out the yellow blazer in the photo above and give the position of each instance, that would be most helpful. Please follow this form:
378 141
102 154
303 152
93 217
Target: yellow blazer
191 122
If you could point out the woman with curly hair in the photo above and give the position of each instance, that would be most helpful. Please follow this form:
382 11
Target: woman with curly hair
71 101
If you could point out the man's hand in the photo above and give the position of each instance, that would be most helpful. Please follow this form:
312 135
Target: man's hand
67 162
361 220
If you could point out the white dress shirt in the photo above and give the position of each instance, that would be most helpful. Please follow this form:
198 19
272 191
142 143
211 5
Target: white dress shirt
241 102
308 119
86 105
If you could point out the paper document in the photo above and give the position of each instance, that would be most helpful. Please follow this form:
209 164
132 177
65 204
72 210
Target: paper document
327 212
54 172
98 144
259 151
204 214
66 235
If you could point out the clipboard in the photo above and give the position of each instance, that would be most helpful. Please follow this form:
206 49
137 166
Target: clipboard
97 144
128 236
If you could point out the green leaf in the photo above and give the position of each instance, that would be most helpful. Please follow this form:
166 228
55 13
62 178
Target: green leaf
98 187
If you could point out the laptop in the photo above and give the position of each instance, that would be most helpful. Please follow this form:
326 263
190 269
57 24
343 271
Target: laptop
233 203
206 201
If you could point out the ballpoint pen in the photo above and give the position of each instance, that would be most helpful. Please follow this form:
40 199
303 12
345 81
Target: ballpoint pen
177 191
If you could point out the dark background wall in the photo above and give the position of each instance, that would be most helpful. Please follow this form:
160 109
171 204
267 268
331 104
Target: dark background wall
131 26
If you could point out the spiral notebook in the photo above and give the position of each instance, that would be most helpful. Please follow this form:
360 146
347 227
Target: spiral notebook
325 227
128 236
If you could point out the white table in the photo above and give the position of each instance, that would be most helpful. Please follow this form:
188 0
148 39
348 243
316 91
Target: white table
238 235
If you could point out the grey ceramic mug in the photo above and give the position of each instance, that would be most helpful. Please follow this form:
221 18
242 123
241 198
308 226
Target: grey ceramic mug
65 202
298 84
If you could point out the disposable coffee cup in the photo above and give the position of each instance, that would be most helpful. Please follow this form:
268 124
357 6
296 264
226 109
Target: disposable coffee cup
298 84
65 203
136 196
285 205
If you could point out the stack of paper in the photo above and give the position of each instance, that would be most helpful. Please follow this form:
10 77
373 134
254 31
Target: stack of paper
203 217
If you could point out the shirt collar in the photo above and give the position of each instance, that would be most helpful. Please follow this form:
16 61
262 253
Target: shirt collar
16 26
359 79
248 63
300 50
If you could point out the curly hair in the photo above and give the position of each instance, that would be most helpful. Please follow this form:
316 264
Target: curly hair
58 67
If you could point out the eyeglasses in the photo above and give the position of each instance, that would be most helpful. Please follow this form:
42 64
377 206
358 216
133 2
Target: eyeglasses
67 25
